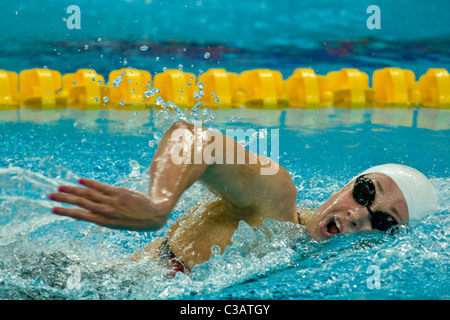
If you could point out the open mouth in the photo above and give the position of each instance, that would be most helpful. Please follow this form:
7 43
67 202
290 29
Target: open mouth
333 227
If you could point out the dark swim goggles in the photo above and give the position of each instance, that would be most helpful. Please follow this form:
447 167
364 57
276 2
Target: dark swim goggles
364 194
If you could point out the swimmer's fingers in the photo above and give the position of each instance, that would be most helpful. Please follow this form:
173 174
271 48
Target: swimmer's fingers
80 214
102 187
86 193
82 202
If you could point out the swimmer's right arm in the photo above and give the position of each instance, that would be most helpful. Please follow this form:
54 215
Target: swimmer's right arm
242 185
121 208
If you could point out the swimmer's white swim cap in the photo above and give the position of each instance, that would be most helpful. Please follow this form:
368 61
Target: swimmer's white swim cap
421 196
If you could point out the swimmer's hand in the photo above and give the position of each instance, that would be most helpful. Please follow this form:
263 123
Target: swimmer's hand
109 206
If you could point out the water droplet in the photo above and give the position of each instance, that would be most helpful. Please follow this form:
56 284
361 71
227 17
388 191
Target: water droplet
144 48
198 94
216 99
96 99
122 103
157 136
207 55
151 92
86 47
215 249
233 119
180 67
83 140
105 99
179 111
262 133
157 58
74 82
117 81
159 101
133 163
75 124
194 111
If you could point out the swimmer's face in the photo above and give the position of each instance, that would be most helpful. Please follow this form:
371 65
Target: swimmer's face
342 214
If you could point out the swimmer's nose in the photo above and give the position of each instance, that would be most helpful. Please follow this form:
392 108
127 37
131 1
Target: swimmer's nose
358 219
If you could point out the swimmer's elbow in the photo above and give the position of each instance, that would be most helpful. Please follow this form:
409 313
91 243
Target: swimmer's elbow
181 124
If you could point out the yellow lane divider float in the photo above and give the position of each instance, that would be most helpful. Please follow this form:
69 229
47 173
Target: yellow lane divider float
219 89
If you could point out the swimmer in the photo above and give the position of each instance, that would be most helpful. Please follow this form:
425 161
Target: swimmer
377 199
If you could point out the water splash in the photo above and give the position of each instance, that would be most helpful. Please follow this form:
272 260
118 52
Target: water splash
40 252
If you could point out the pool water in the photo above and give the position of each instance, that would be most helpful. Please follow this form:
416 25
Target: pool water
43 256
325 36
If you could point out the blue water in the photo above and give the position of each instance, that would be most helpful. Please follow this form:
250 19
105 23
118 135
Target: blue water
43 255
324 35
